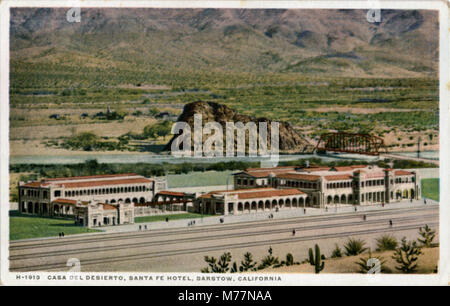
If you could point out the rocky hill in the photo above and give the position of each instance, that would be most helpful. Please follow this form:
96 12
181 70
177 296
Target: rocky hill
289 140
316 42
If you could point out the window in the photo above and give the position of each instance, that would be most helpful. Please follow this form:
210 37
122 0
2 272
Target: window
57 193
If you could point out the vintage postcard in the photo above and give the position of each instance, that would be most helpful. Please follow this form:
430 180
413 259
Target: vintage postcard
202 143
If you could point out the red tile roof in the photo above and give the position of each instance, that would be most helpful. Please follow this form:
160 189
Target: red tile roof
65 201
256 193
107 182
234 191
108 206
88 177
258 174
316 168
34 184
402 172
338 177
269 193
280 168
299 176
171 193
349 168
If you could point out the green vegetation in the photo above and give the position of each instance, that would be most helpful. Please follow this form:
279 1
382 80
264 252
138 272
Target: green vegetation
363 123
26 227
305 102
248 264
180 175
406 256
224 265
218 266
386 243
170 217
337 252
430 188
207 178
269 260
160 129
153 70
92 167
354 247
372 264
278 96
315 259
427 235
88 141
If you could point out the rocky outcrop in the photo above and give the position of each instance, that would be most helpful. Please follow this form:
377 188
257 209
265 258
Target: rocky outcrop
289 140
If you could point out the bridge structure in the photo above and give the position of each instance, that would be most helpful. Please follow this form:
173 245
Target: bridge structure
350 143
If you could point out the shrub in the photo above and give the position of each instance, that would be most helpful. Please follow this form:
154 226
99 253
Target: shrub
221 266
386 243
427 235
354 247
160 129
269 260
406 256
288 262
337 252
153 111
248 264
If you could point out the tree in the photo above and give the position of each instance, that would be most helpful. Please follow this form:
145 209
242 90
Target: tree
221 266
91 164
164 129
248 264
159 129
427 234
315 259
407 255
85 140
118 114
269 260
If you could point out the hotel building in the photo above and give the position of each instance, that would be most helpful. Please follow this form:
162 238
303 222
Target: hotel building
59 196
355 185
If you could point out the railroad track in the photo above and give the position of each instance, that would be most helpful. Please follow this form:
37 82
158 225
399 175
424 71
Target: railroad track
213 237
16 245
149 255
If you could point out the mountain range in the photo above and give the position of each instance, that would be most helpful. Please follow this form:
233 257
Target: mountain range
306 41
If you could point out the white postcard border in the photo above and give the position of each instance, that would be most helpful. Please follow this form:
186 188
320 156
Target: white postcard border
48 278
